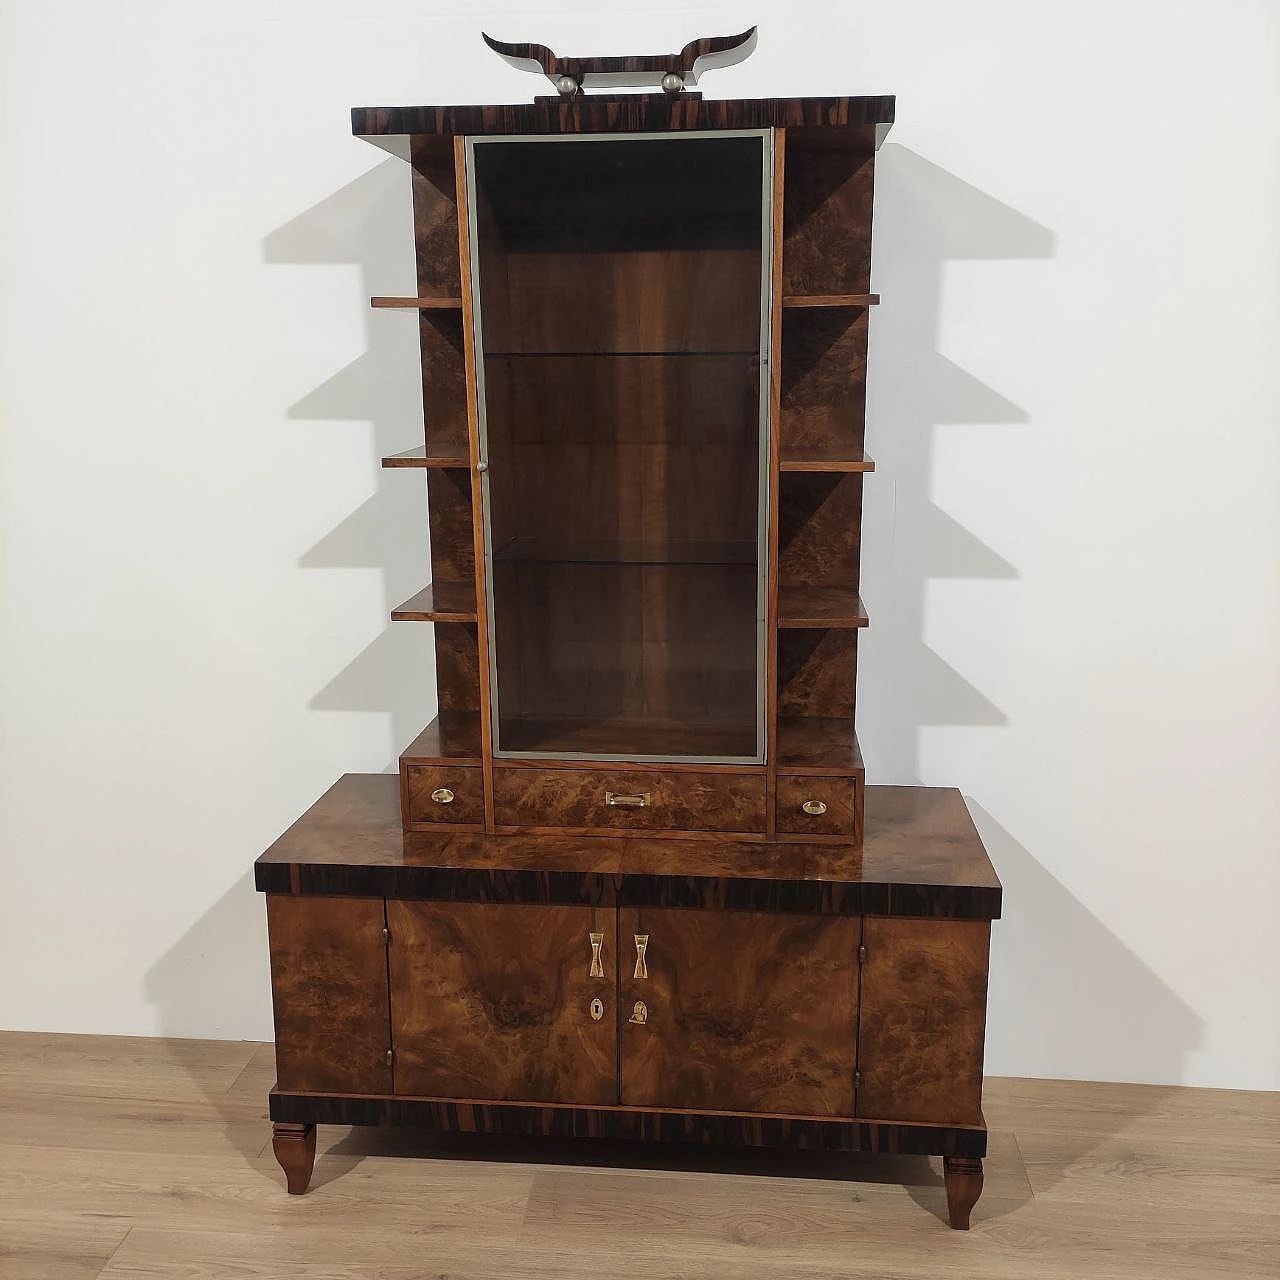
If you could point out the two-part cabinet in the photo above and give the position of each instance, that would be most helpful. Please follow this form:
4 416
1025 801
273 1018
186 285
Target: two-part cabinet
630 882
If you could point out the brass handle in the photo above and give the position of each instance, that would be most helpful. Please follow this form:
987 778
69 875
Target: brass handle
628 800
814 807
597 969
597 1009
639 1014
442 795
642 943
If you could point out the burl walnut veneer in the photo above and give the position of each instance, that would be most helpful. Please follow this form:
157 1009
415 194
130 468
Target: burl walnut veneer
630 882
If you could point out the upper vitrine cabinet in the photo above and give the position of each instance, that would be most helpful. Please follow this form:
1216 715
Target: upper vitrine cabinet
621 304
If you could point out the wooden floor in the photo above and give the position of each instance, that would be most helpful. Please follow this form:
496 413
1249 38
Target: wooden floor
122 1157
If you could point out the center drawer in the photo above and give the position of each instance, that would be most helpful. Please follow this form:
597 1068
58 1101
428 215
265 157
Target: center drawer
629 801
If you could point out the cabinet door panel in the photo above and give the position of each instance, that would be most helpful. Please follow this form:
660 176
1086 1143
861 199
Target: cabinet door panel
329 988
744 1011
494 1002
924 1001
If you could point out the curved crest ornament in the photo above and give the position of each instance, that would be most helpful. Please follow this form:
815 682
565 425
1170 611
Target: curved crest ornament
673 71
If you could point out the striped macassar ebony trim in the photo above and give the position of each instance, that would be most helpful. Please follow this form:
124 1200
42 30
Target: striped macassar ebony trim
867 119
533 1120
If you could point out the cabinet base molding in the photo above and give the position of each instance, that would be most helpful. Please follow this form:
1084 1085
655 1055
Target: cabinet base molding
963 1144
295 1148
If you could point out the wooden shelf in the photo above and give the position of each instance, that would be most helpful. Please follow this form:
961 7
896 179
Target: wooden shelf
817 745
439 602
808 300
453 737
820 607
418 304
420 458
823 458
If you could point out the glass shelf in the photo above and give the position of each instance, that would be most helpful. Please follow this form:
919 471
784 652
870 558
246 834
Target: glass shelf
611 355
629 552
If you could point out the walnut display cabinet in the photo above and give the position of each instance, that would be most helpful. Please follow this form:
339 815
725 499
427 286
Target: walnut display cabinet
630 882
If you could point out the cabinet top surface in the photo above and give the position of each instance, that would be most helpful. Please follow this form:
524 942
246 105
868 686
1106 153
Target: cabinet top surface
921 856
861 121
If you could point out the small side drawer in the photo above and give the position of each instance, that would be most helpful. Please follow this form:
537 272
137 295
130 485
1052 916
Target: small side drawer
443 794
841 798
639 801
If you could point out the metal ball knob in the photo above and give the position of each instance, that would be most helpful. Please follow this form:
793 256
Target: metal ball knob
567 85
672 83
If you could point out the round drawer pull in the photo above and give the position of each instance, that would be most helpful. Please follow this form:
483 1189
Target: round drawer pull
814 807
442 795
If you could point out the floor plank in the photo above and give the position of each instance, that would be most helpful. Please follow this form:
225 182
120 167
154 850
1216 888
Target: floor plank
123 1158
51 1247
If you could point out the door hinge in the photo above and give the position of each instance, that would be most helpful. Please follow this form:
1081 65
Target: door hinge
391 1053
862 954
386 937
857 1080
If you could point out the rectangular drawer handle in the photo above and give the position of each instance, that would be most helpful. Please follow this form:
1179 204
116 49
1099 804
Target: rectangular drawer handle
628 800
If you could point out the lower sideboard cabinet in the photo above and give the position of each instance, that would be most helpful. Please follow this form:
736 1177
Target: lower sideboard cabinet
744 1012
822 997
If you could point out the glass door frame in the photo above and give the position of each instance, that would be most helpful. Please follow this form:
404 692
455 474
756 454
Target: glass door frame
764 494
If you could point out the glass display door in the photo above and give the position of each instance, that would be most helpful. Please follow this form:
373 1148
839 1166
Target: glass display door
621 303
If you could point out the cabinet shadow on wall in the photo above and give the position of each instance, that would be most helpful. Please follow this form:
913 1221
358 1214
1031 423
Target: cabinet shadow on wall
368 224
204 982
926 218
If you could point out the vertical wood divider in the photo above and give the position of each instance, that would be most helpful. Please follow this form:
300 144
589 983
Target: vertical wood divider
775 474
477 488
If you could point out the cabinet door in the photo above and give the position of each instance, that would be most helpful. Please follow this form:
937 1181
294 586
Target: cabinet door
621 297
924 1006
495 1001
738 1011
329 989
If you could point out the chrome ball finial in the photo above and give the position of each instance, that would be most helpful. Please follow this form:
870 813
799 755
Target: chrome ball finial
567 86
672 83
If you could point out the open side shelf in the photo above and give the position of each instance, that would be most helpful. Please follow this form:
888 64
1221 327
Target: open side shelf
417 304
439 602
824 458
820 607
818 745
831 300
448 459
453 737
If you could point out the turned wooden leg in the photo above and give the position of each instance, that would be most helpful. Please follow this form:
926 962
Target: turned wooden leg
295 1148
963 1176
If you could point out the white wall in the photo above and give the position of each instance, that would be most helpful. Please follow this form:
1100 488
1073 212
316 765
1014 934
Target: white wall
1070 543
